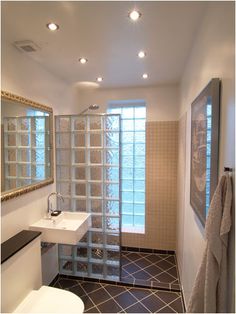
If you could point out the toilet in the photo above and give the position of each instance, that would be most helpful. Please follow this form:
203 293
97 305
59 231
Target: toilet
50 300
21 284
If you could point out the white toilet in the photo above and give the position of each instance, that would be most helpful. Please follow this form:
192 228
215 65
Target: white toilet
50 300
22 290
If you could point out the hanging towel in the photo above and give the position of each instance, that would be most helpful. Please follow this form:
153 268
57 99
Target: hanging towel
209 293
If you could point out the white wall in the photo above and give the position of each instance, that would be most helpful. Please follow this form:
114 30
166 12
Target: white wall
22 76
212 55
162 100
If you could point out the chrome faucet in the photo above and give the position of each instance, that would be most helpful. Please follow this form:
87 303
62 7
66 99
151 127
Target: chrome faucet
50 210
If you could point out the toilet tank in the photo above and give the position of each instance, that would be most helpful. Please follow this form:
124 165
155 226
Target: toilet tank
20 274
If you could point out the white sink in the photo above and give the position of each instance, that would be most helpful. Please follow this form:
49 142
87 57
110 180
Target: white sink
67 228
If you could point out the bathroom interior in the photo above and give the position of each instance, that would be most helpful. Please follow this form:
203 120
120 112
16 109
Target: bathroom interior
100 206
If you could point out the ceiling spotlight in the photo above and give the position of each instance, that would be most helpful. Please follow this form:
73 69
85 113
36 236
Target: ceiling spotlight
83 60
52 26
141 54
99 79
134 15
145 76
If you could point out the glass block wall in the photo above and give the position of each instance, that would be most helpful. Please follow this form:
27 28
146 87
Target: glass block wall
88 177
133 119
26 150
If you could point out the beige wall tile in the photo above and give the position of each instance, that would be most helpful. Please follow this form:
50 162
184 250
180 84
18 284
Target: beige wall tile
161 186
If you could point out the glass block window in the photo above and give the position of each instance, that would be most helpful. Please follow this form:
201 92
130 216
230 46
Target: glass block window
133 118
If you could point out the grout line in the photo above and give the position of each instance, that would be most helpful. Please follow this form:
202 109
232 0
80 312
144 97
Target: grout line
111 297
174 301
91 301
152 264
138 302
127 289
91 291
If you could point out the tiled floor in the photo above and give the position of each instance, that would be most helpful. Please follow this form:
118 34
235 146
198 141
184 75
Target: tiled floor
149 269
108 298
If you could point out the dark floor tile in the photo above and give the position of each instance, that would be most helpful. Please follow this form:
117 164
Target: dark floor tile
124 260
109 306
175 282
142 274
165 277
173 271
99 296
131 268
78 290
163 264
124 273
137 308
153 270
115 290
125 253
166 309
92 310
57 285
140 294
67 283
167 296
125 299
171 259
142 263
134 256
154 258
177 305
153 303
87 302
90 286
128 280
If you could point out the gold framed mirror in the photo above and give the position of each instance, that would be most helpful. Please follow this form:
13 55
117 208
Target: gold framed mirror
26 145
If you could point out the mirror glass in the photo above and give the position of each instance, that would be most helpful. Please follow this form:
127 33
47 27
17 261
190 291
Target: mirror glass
26 146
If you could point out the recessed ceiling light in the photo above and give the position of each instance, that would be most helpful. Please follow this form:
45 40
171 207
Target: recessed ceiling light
145 76
134 15
83 60
141 54
99 79
52 26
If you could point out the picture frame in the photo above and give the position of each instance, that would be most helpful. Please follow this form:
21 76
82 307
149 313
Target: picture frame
205 119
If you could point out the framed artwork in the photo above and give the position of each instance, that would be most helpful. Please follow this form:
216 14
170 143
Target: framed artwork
205 116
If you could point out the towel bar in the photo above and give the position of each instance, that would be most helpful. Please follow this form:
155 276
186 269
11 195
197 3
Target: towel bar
228 169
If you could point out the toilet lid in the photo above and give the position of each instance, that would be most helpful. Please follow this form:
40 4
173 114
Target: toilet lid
51 300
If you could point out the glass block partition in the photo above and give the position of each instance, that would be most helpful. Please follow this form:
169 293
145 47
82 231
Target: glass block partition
26 150
88 177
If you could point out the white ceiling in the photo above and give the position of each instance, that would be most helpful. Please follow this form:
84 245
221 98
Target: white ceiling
103 33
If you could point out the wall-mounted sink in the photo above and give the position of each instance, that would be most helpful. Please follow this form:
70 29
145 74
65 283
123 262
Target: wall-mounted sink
67 228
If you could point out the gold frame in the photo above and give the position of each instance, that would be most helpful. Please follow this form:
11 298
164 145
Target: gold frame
28 188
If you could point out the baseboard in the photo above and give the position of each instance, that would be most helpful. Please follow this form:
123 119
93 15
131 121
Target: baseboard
146 250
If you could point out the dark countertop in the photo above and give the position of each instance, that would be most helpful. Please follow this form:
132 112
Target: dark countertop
16 243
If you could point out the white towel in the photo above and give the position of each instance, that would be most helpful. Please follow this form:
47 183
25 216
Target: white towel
209 293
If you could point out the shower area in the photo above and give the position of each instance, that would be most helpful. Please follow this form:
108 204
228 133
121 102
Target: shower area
88 178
